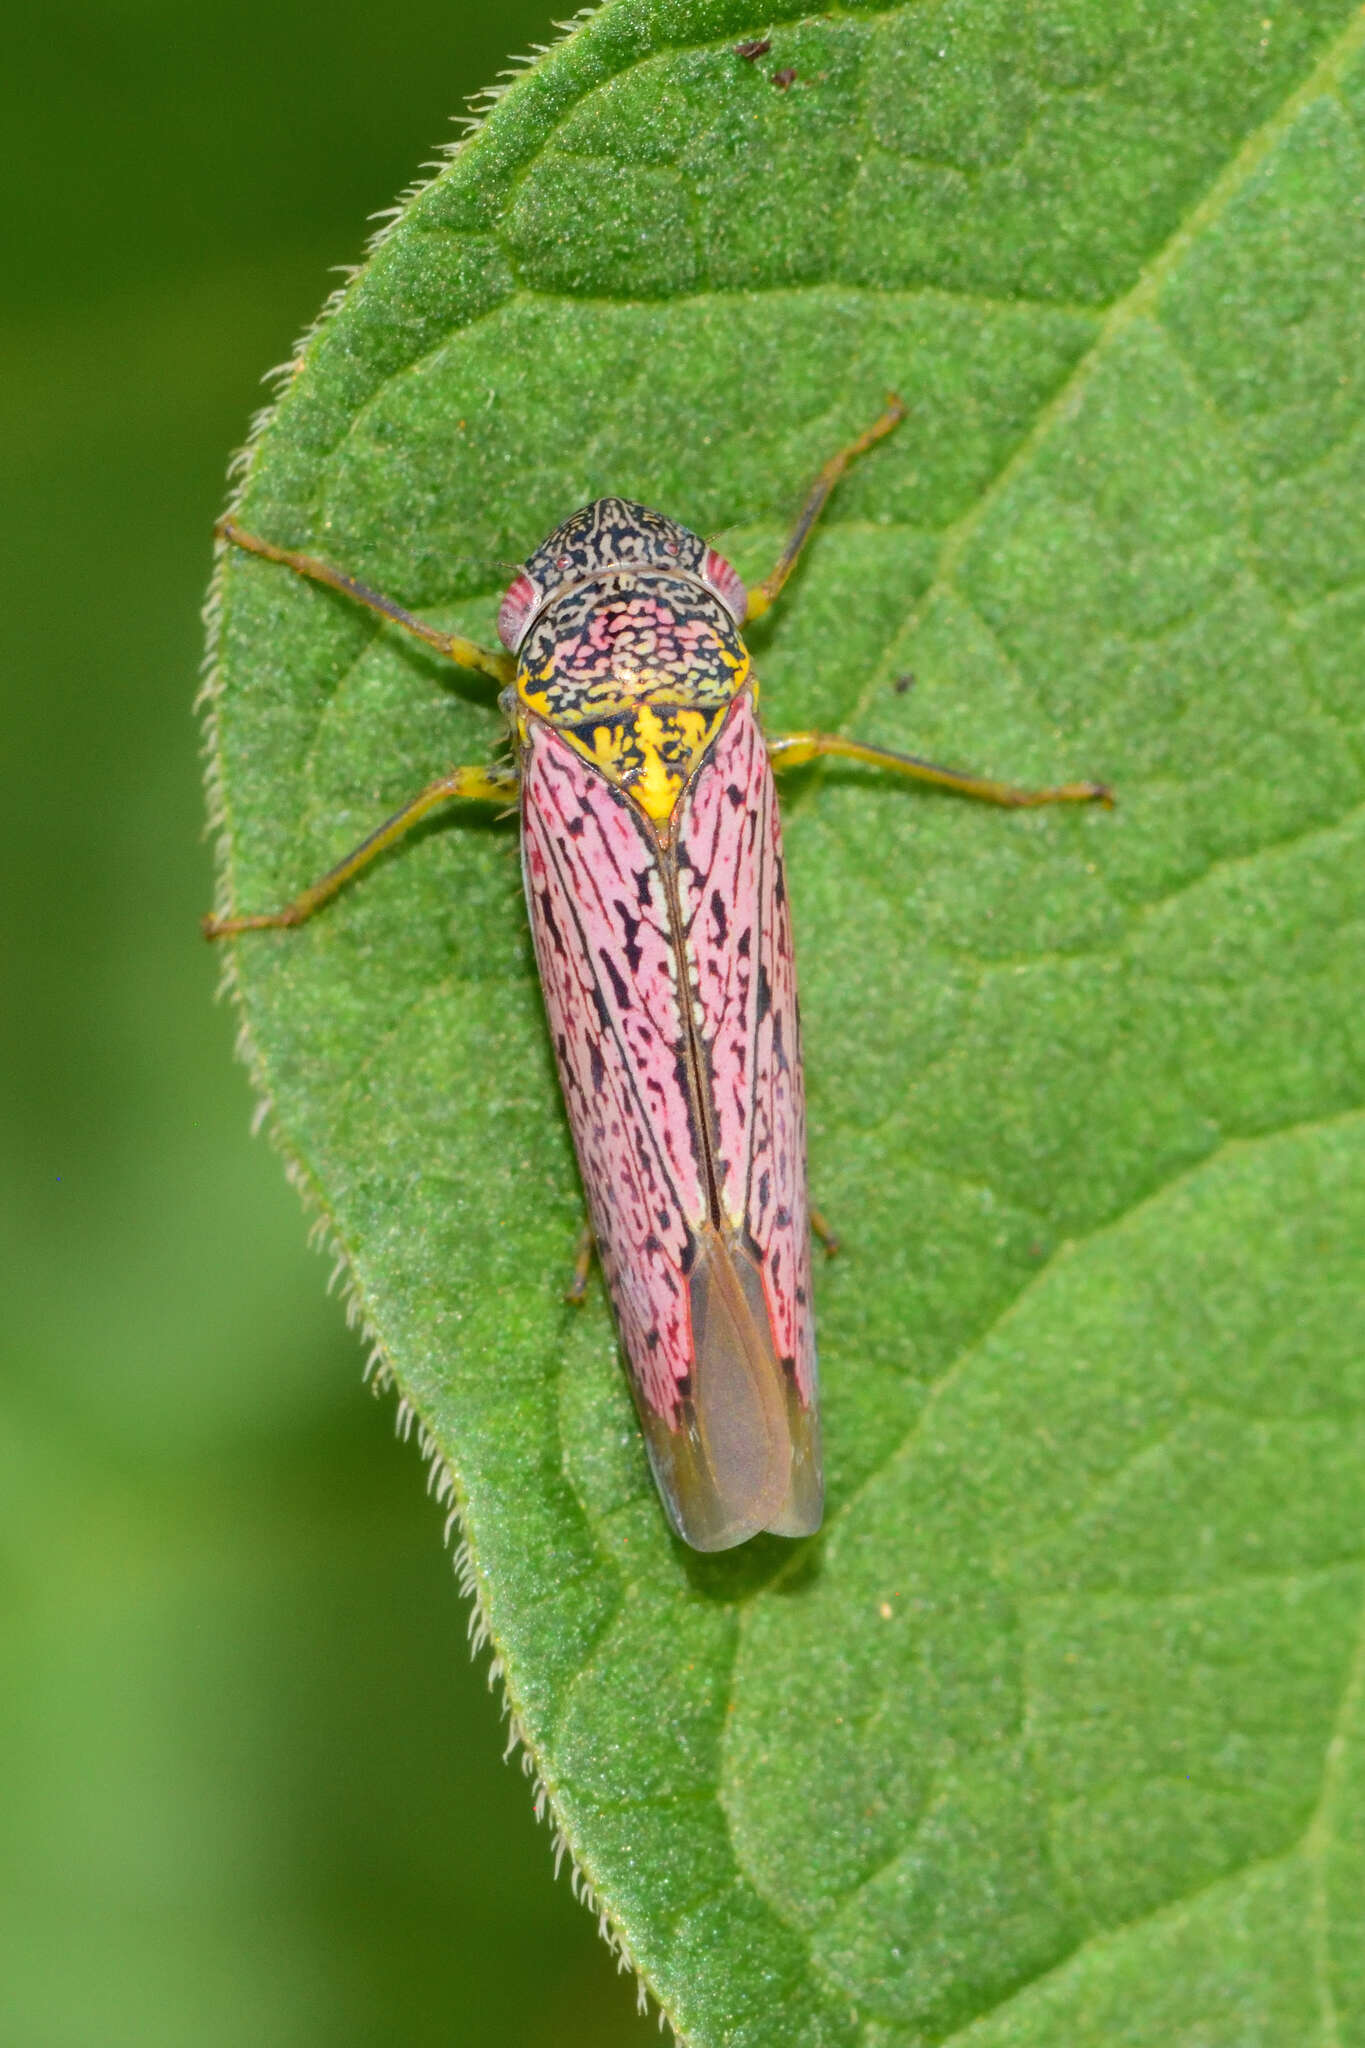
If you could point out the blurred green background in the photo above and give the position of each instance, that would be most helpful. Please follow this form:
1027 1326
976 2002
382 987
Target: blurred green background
253 1788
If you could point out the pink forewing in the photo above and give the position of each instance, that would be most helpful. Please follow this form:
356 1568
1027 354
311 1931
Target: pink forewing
608 968
737 923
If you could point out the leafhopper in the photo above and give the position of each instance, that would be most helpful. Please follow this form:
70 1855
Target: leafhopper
652 859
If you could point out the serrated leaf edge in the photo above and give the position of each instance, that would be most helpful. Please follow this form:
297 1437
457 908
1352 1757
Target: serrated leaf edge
379 1371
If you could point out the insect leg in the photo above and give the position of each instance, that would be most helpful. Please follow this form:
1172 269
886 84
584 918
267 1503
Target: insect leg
490 661
762 596
829 1239
484 785
582 1265
790 750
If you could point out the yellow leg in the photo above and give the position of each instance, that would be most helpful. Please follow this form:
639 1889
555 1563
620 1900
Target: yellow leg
582 1266
790 750
762 597
484 785
828 1238
490 661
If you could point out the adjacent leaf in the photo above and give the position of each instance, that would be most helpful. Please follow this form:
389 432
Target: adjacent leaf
1057 1732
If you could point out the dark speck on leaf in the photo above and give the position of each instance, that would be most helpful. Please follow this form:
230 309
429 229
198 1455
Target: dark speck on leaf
785 77
751 52
902 684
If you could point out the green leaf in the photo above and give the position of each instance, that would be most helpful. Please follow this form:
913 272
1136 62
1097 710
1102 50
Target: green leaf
1057 1731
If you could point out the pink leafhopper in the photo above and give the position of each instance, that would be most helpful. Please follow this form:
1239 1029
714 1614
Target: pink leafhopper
652 857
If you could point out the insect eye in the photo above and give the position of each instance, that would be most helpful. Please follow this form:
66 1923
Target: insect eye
516 611
670 547
718 574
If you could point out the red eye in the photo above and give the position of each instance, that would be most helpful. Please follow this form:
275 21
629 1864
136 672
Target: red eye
515 612
716 571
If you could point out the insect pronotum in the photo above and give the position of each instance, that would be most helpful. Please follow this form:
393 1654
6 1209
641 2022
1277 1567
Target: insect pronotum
652 858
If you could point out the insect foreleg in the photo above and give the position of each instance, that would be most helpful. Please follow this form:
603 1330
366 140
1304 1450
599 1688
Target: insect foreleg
484 785
762 596
790 750
490 661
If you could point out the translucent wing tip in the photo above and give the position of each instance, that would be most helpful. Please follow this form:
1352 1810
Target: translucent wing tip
747 1454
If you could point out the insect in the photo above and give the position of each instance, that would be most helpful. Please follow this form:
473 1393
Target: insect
652 860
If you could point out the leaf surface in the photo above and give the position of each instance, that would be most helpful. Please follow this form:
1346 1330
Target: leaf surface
1057 1731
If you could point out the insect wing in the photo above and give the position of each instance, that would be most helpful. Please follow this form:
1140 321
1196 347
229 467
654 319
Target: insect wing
736 919
689 1302
608 969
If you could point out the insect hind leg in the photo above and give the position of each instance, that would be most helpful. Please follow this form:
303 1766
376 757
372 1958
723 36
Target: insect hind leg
829 1238
584 1255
